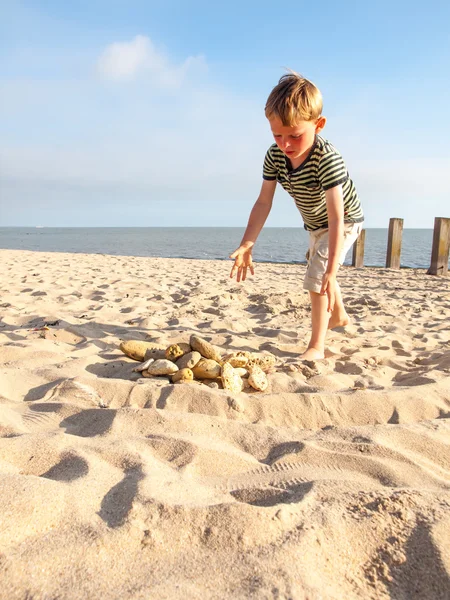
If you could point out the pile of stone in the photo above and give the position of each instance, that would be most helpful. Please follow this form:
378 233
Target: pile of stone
202 362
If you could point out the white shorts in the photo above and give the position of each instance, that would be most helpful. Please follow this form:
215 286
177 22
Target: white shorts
317 254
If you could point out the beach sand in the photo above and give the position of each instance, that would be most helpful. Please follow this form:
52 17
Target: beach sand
332 484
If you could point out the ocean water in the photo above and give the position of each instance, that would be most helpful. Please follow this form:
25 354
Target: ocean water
275 244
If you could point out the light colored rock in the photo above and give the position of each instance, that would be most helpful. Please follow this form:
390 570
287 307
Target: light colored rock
201 362
257 378
162 366
265 361
230 379
206 349
243 358
237 359
143 366
176 351
189 360
183 375
206 368
137 349
241 371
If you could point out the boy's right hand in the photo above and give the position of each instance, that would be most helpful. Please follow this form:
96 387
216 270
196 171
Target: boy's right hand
242 261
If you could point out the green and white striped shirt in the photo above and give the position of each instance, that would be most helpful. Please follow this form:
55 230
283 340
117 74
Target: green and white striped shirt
324 168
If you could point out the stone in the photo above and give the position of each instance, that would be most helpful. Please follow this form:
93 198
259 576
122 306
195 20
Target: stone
137 349
206 368
206 349
183 375
246 359
176 351
189 360
241 371
155 353
258 379
143 366
265 361
237 359
202 363
162 366
230 379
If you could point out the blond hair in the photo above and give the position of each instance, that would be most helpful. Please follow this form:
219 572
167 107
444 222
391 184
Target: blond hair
294 99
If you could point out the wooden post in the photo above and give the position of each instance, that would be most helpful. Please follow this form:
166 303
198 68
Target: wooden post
358 250
441 242
394 244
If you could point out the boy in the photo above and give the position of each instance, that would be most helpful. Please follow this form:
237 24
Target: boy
313 172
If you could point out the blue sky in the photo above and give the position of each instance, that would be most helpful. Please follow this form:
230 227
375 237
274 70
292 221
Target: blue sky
151 113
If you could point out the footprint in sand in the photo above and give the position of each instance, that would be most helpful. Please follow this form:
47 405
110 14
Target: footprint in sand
69 468
175 451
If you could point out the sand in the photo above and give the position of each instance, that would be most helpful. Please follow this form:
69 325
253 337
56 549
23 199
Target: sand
332 484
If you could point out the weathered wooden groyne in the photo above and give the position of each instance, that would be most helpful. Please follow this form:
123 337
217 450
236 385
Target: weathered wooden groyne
439 251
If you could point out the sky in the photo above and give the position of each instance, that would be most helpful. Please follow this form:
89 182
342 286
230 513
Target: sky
151 112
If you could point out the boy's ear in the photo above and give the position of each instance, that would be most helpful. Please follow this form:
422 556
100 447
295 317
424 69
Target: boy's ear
320 123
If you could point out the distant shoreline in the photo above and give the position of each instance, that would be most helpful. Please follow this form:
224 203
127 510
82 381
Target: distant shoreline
188 258
275 245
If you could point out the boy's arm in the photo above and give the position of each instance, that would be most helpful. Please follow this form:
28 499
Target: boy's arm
335 210
260 211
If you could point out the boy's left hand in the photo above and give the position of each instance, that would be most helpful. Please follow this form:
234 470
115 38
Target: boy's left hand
329 288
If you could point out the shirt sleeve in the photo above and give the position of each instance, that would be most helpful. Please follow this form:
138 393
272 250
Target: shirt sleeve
332 170
269 169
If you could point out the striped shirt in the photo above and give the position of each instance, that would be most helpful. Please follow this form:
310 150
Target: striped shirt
324 168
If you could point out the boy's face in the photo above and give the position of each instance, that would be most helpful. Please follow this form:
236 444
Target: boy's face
295 140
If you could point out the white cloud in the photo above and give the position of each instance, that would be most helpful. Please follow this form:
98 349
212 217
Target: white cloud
123 61
200 145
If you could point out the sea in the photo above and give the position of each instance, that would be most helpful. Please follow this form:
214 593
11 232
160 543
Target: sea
275 244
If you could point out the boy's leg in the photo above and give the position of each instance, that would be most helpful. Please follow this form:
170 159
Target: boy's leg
339 316
317 260
319 325
320 317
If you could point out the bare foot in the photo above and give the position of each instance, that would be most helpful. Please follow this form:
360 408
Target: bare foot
340 320
312 354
